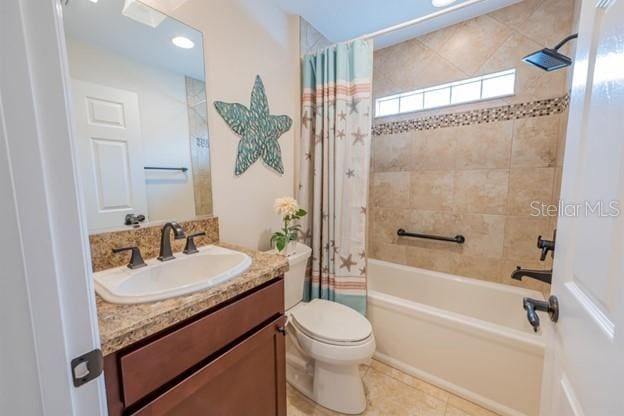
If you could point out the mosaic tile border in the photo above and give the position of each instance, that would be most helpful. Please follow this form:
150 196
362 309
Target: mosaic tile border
528 109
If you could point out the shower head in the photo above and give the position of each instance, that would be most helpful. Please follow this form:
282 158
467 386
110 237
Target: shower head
550 59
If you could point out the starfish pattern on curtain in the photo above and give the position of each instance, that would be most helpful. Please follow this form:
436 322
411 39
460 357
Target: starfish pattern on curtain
335 158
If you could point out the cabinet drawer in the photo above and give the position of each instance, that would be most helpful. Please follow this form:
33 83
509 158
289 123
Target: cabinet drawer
248 379
149 367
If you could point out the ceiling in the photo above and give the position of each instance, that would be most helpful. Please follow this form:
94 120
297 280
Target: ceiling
341 20
102 24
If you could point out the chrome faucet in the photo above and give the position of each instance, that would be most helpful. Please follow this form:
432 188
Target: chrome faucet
165 242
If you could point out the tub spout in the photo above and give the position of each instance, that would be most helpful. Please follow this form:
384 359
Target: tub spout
541 275
532 316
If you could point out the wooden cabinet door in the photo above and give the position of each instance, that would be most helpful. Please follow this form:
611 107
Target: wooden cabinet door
151 366
248 379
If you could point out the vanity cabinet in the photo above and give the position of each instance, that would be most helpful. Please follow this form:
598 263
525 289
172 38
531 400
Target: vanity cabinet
229 360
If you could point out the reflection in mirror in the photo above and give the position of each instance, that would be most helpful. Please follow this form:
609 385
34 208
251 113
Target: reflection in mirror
139 97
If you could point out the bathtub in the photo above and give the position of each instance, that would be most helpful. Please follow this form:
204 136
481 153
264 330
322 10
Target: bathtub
466 336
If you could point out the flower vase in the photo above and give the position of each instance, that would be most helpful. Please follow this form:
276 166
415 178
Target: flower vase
289 249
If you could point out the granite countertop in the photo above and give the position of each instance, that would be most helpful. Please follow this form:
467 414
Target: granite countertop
122 325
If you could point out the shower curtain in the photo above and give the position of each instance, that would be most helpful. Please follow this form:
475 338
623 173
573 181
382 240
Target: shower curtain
335 158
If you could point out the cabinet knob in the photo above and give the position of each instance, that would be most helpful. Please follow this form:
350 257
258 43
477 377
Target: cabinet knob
281 325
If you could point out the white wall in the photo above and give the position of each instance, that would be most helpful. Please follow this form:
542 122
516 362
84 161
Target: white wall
242 39
164 122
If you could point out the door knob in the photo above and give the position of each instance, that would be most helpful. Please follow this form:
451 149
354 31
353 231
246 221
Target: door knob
132 219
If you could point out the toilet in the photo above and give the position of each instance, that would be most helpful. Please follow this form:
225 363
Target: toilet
326 343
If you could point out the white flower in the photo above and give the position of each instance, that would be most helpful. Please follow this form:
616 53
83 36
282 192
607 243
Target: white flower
285 206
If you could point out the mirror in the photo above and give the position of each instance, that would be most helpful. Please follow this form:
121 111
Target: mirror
139 98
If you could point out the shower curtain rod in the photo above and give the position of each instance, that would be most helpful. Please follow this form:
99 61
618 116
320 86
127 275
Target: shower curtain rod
421 19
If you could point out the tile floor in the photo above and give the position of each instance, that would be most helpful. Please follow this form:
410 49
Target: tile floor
391 392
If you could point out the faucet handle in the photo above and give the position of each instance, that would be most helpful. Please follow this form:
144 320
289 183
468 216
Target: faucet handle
190 247
546 246
533 305
136 260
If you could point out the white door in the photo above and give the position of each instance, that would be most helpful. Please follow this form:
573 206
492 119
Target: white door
584 373
110 158
48 314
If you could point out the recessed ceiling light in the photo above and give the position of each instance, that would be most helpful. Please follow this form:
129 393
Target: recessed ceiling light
93 1
182 42
442 3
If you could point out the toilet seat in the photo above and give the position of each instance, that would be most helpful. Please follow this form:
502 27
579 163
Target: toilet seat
331 323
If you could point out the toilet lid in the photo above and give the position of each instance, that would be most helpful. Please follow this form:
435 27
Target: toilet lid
331 321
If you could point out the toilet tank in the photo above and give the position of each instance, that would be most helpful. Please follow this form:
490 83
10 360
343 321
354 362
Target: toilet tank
295 276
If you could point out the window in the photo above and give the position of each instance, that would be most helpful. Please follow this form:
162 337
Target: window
485 87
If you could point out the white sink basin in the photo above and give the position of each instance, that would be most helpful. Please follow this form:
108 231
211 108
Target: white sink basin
161 280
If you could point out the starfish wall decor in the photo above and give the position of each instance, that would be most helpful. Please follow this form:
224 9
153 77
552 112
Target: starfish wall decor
257 128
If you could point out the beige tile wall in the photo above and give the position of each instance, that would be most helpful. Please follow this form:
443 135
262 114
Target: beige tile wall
200 144
477 180
489 43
